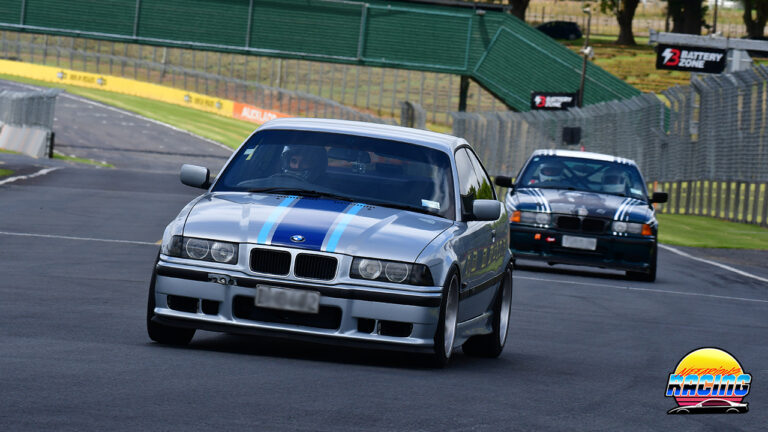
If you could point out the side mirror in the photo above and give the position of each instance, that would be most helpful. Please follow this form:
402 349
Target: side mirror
195 176
659 197
504 181
486 210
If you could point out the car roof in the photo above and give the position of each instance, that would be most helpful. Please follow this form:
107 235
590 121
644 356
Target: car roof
438 141
583 155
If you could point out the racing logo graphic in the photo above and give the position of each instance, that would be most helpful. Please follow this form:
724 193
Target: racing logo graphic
671 57
709 381
541 101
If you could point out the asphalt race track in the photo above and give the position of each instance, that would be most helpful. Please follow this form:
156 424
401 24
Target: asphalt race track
588 349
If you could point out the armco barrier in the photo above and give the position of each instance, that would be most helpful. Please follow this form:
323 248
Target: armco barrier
224 107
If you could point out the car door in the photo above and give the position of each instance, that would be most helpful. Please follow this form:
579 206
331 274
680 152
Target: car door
475 241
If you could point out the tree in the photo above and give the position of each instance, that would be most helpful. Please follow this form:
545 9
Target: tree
755 16
687 16
624 11
519 7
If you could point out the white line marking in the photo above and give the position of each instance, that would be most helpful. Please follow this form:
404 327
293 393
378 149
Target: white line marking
77 238
628 288
714 263
25 177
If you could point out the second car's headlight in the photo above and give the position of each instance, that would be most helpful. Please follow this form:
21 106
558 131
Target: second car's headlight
531 218
631 228
390 271
202 249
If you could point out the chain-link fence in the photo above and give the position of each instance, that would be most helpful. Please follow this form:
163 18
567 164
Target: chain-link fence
714 129
336 89
26 121
28 108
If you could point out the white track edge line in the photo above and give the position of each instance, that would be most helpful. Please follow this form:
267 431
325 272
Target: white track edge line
42 172
714 263
628 288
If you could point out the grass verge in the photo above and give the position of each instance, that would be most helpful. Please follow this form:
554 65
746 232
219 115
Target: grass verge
82 160
5 172
703 231
228 131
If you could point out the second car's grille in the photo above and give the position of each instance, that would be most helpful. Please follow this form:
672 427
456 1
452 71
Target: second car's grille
568 222
315 266
572 223
592 225
270 261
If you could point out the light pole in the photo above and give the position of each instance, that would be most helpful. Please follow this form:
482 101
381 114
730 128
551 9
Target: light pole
587 52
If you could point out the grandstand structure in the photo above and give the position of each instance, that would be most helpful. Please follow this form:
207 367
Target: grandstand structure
499 52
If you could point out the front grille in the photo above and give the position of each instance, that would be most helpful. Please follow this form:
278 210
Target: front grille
592 225
568 223
270 261
315 266
587 225
329 317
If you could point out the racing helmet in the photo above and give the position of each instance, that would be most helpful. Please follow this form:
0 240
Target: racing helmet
614 181
550 171
305 162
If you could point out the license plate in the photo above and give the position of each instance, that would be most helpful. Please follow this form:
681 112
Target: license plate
287 299
585 243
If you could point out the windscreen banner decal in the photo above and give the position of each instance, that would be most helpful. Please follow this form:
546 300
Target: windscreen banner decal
691 59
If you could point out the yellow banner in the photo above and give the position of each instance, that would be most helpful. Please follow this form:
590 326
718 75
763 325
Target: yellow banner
198 101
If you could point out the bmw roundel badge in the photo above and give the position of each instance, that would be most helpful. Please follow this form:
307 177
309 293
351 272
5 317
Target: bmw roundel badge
297 238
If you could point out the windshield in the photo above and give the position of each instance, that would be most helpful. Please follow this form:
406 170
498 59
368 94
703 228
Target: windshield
589 175
361 169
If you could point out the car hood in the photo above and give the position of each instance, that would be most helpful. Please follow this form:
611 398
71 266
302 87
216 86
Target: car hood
580 203
315 224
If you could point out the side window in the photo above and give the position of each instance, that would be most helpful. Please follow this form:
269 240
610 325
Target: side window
469 185
485 191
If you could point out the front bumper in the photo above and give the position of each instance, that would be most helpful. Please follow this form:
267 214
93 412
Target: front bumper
621 253
212 299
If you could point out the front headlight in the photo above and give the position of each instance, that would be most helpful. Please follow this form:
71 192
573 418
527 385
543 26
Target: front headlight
202 249
631 228
531 218
390 271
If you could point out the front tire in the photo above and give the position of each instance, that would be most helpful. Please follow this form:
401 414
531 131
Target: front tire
445 335
650 275
161 333
491 345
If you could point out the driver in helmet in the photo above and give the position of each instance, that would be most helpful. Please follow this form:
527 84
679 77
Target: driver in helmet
304 162
614 181
550 172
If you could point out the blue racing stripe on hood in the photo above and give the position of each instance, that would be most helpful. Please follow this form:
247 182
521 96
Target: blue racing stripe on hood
273 217
311 218
334 240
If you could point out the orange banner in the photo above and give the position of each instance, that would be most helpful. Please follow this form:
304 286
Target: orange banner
256 115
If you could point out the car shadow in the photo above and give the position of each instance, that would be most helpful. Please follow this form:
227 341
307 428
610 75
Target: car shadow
265 346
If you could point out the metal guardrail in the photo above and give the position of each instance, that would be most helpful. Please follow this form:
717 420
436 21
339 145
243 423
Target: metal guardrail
745 202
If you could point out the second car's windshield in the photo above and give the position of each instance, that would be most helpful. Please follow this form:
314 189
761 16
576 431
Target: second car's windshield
363 169
590 175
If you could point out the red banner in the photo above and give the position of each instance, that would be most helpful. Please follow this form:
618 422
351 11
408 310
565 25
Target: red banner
256 115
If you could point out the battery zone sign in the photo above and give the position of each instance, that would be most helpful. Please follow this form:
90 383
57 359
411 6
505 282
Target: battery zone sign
691 59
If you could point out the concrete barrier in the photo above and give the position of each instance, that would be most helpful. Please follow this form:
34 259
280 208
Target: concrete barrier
26 121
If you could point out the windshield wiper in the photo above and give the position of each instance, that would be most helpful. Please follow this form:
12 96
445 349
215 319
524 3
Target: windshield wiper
400 207
303 192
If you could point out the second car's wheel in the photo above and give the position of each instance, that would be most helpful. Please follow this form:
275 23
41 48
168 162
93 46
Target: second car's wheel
650 275
491 345
162 333
446 327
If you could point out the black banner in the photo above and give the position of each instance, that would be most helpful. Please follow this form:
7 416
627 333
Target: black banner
691 59
553 101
